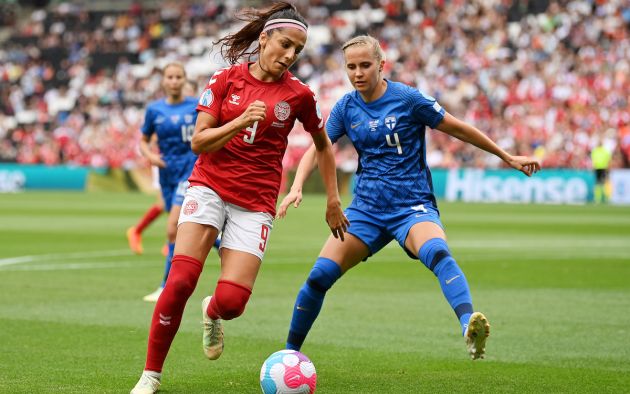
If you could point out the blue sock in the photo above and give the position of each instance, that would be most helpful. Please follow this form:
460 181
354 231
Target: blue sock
217 243
310 299
436 256
167 265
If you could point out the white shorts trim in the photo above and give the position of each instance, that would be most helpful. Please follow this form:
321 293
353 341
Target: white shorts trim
243 230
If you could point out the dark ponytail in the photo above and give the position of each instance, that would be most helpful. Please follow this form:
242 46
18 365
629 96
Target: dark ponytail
235 46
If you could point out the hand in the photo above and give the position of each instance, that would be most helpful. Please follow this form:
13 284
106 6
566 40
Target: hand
295 197
524 164
254 112
156 160
337 221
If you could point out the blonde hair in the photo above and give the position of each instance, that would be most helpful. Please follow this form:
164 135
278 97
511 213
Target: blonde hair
174 64
377 51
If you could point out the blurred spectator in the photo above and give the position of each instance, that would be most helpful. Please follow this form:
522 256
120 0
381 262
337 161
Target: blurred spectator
541 77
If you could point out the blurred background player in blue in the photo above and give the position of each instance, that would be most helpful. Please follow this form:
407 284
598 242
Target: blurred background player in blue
173 120
393 198
134 233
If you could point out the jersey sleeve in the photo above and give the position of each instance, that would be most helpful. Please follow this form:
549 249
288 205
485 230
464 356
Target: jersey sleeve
335 126
212 97
310 114
426 109
148 127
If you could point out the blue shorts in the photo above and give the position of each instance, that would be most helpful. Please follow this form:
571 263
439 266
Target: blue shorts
174 179
173 194
377 229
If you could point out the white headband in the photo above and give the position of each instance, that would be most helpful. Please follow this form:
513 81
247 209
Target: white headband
280 23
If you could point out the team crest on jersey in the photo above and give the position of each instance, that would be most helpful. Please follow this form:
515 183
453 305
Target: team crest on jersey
390 122
206 98
174 118
190 207
188 118
282 110
234 99
374 124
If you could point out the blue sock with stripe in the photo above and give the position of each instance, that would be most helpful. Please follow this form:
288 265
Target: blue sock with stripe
167 264
310 299
436 256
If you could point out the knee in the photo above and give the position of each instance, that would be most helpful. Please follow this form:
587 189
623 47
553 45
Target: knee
183 276
435 255
230 309
181 287
323 275
231 299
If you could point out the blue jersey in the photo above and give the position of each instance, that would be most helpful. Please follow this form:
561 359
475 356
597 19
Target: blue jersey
389 136
174 125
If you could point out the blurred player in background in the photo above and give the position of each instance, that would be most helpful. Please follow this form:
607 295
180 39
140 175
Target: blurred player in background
394 198
246 113
134 233
173 120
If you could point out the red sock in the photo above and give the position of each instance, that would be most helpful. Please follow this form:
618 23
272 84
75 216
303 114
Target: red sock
169 309
228 301
149 217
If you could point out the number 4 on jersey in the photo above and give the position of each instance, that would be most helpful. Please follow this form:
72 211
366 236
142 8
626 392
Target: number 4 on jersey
396 142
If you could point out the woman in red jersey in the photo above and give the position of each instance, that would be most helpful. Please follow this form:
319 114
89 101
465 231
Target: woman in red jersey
245 115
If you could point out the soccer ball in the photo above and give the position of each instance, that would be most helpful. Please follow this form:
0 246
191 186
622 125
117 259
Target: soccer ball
288 372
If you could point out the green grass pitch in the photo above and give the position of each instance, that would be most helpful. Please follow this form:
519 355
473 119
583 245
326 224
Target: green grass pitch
554 281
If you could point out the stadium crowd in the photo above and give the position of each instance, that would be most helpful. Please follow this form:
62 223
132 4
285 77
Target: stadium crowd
544 78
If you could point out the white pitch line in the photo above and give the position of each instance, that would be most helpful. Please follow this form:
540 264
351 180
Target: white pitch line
60 256
78 266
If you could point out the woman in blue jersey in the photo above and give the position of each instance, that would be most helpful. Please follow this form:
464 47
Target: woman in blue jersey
134 233
394 197
173 120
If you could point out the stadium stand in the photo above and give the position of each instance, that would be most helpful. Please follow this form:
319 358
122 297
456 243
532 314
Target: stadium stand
540 77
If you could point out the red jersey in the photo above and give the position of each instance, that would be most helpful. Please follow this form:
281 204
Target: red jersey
248 169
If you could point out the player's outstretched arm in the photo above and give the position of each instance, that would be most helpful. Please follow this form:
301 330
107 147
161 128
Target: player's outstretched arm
304 170
470 134
335 217
210 138
524 164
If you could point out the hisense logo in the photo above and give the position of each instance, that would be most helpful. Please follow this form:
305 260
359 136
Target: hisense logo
488 186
